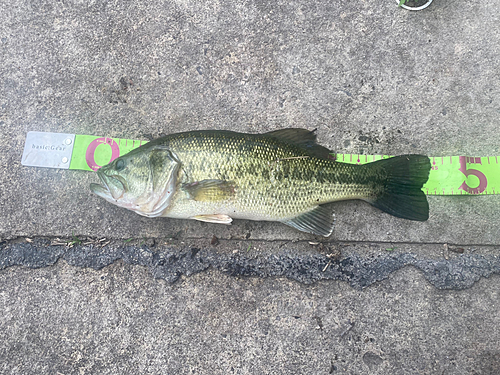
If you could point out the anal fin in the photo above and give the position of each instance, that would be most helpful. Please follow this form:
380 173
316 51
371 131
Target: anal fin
319 221
216 218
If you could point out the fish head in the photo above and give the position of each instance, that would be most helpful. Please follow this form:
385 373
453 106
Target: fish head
143 181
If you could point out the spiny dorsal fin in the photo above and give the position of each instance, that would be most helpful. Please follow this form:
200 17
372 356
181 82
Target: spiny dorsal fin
305 139
319 221
296 136
209 190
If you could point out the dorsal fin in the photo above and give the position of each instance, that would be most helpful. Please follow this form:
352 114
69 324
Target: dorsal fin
305 139
296 136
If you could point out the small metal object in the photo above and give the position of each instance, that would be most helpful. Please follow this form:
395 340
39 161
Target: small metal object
65 160
415 8
68 141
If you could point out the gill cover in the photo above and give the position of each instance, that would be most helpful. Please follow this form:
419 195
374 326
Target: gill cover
164 166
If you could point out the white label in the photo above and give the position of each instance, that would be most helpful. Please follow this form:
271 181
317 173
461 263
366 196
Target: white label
49 150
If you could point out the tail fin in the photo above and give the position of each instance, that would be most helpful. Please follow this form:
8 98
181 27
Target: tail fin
402 195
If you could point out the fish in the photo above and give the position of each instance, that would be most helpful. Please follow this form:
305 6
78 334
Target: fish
217 176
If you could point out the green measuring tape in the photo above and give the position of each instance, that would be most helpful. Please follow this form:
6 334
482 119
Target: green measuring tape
450 175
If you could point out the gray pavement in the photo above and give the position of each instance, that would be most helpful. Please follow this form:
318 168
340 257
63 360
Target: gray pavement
381 296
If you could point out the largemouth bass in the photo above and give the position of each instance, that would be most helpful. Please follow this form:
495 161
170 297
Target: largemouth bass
217 176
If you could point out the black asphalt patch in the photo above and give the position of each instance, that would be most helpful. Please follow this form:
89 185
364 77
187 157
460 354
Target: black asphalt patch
170 263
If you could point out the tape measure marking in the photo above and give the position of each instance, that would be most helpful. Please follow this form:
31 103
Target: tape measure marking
449 175
92 152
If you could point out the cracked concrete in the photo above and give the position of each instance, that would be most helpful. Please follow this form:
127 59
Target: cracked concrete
302 262
381 296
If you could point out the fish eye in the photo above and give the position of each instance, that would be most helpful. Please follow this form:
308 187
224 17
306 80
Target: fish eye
120 165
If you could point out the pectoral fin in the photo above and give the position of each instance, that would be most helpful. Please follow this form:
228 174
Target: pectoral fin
319 221
209 190
217 219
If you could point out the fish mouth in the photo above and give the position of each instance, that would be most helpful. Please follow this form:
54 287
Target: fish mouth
111 187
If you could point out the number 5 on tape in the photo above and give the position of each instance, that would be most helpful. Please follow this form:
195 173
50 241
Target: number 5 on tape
459 175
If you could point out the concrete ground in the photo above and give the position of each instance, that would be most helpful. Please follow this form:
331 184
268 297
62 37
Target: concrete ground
134 295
